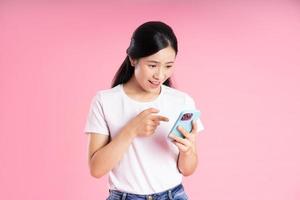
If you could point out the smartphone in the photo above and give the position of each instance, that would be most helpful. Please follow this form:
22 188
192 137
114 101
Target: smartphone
185 120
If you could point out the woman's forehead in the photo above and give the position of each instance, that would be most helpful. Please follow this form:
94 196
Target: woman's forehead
166 55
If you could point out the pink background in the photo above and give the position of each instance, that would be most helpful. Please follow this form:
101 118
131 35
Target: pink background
238 59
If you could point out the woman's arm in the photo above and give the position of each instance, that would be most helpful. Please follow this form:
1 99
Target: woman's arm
188 158
107 154
103 159
187 162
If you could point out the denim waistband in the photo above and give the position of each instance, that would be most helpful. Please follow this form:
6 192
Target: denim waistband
170 192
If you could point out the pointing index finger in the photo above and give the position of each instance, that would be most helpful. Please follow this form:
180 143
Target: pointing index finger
161 118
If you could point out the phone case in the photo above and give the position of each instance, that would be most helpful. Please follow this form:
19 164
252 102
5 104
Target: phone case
185 120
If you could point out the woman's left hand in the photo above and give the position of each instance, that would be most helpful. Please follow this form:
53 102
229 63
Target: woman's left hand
188 144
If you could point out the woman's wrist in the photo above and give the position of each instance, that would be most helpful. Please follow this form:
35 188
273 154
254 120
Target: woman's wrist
130 131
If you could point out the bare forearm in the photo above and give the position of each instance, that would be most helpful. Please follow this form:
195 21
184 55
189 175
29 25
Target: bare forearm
187 163
107 157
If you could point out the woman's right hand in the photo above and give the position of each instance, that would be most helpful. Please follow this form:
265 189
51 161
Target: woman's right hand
146 122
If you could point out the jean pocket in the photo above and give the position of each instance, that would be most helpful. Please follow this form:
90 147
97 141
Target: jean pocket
180 195
113 196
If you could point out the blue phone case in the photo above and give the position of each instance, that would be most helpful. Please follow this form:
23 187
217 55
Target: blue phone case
185 120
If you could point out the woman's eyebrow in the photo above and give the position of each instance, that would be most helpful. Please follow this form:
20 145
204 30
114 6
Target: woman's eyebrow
159 62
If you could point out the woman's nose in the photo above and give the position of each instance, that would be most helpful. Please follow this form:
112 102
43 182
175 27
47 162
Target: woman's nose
159 74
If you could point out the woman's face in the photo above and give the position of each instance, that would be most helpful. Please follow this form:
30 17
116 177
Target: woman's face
152 71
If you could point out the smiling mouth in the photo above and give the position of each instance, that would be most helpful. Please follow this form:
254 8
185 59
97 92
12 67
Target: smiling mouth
154 83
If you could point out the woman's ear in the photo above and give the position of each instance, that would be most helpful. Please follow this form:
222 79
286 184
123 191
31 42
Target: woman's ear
132 61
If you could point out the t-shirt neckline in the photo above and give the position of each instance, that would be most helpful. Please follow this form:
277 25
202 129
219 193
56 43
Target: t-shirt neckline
142 102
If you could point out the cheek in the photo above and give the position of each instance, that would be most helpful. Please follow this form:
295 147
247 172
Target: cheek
146 72
169 72
141 72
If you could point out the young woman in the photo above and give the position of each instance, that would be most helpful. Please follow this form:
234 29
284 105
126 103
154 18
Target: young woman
129 124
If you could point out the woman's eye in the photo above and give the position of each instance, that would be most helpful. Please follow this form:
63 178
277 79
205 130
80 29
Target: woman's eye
169 66
152 66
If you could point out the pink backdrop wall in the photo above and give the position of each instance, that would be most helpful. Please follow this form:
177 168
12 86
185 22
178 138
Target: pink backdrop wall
239 60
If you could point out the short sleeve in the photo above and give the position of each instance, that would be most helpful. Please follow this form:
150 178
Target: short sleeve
190 104
96 122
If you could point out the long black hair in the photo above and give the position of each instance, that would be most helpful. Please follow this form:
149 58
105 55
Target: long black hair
147 39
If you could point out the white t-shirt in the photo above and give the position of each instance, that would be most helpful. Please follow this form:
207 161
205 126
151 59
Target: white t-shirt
150 164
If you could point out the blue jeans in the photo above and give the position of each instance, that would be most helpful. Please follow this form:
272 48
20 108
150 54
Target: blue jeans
175 193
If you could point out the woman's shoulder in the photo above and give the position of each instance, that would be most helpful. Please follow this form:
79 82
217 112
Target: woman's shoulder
176 92
108 93
178 95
